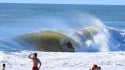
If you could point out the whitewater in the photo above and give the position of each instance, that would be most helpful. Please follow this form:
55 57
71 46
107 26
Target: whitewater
64 61
96 32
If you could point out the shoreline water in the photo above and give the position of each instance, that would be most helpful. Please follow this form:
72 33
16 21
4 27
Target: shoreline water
66 60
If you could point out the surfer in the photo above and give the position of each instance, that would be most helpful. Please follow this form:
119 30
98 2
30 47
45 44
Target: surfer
3 66
35 61
69 45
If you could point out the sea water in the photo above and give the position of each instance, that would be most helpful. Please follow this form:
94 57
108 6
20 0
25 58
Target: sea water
107 21
98 30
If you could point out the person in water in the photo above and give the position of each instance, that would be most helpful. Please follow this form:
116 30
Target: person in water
69 45
98 68
94 67
3 66
36 62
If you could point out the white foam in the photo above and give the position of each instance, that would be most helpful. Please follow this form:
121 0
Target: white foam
64 61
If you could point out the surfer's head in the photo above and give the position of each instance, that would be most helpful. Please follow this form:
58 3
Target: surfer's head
94 65
3 65
99 68
35 54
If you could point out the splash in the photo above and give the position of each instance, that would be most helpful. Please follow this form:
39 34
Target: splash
94 36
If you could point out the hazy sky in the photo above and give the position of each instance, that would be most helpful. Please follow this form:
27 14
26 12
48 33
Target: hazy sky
100 2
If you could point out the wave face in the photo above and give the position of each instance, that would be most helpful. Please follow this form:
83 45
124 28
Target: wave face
47 27
47 41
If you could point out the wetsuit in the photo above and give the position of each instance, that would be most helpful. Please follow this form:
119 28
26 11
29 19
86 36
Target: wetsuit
69 45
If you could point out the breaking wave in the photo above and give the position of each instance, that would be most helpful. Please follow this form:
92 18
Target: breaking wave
92 36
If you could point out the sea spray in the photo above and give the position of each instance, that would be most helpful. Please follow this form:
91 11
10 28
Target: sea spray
94 36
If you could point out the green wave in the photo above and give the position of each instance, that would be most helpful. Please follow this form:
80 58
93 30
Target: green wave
48 41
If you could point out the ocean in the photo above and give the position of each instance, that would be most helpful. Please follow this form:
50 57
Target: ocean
91 27
96 32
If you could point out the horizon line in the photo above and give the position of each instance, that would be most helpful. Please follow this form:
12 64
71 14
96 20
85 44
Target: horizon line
60 3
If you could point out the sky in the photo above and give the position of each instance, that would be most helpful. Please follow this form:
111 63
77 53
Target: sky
97 2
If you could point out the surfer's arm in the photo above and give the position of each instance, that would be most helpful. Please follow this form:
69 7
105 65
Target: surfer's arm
64 44
30 56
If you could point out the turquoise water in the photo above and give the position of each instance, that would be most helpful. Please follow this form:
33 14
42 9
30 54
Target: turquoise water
19 19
